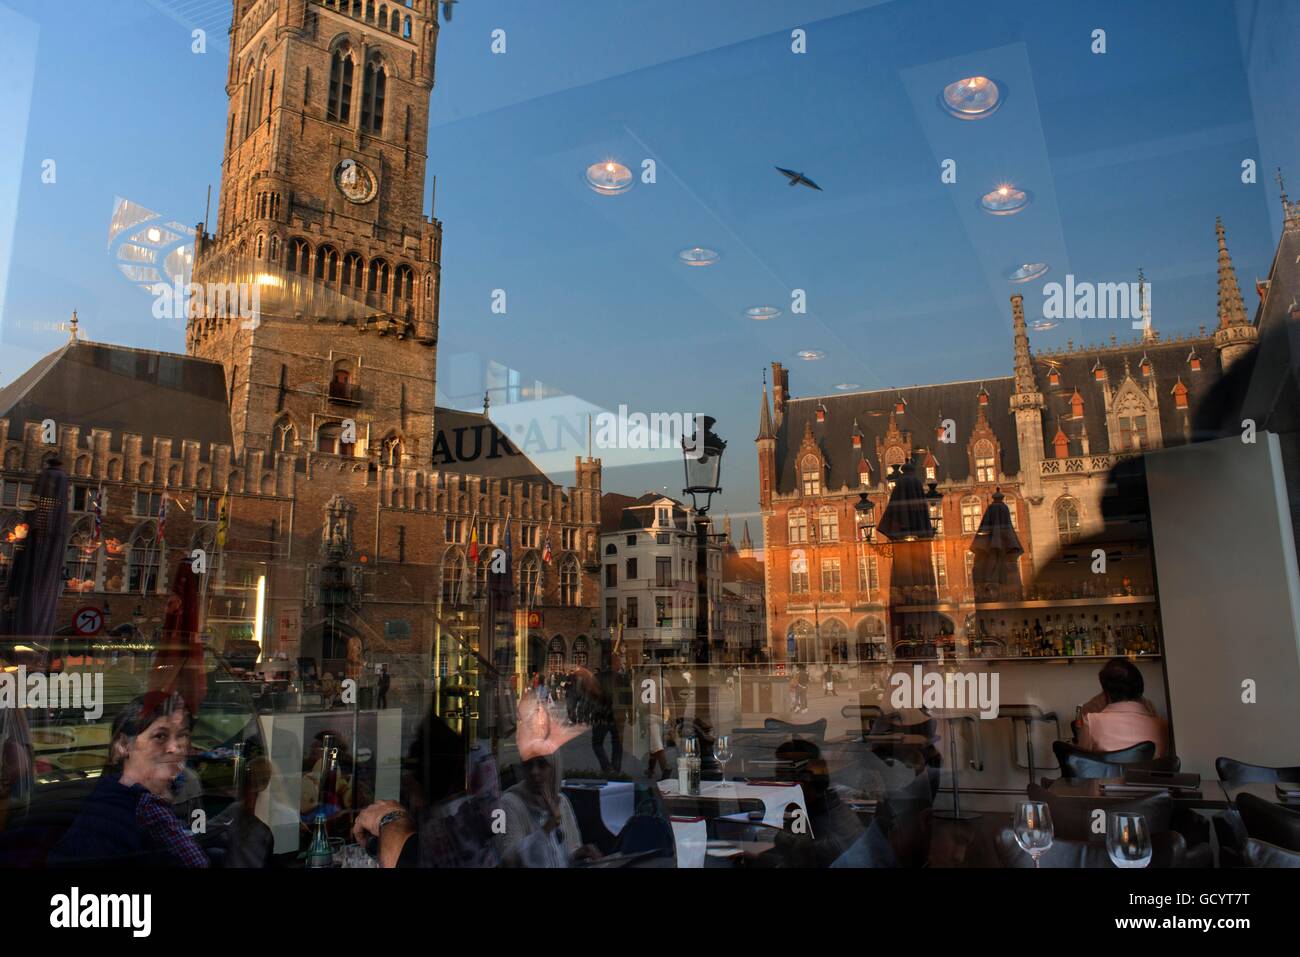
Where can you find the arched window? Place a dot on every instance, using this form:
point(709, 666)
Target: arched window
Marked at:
point(1067, 521)
point(530, 582)
point(353, 270)
point(812, 476)
point(339, 106)
point(259, 91)
point(1010, 501)
point(985, 467)
point(260, 246)
point(327, 264)
point(828, 525)
point(142, 576)
point(274, 254)
point(372, 97)
point(370, 10)
point(378, 281)
point(453, 569)
point(580, 654)
point(391, 451)
point(569, 582)
point(555, 654)
point(797, 525)
point(395, 22)
point(405, 282)
point(406, 27)
point(798, 573)
point(81, 559)
point(285, 436)
point(971, 512)
point(299, 256)
point(341, 380)
point(356, 7)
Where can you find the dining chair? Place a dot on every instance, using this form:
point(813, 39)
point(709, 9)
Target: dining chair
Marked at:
point(1266, 821)
point(1075, 762)
point(1262, 854)
point(1232, 771)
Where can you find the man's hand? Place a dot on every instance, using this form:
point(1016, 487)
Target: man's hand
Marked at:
point(391, 838)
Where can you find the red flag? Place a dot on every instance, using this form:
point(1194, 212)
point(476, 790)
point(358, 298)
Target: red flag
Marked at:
point(178, 662)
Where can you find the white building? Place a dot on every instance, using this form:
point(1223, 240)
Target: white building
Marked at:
point(648, 553)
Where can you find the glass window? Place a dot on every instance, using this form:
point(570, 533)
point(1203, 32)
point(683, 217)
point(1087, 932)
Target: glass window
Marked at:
point(631, 569)
point(985, 468)
point(830, 574)
point(812, 476)
point(828, 523)
point(611, 576)
point(664, 572)
point(1067, 521)
point(797, 523)
point(631, 613)
point(971, 513)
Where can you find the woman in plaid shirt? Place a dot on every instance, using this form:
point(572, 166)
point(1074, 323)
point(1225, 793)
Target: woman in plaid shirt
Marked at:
point(128, 817)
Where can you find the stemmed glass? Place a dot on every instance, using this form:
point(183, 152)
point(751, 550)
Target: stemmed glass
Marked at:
point(722, 751)
point(1033, 828)
point(1128, 839)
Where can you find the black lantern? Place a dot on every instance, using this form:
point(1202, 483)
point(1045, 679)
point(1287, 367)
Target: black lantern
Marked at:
point(864, 514)
point(702, 457)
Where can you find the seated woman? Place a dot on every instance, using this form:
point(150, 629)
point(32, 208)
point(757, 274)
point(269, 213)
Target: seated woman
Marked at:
point(1120, 717)
point(541, 829)
point(128, 818)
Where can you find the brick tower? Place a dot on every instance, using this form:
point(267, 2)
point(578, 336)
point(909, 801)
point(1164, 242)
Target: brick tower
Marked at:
point(321, 214)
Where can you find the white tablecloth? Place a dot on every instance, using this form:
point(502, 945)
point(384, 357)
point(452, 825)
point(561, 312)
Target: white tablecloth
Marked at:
point(617, 802)
point(775, 797)
point(691, 835)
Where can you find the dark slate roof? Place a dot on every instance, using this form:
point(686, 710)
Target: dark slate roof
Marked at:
point(927, 406)
point(735, 568)
point(464, 443)
point(95, 385)
point(1169, 364)
point(1279, 337)
point(623, 512)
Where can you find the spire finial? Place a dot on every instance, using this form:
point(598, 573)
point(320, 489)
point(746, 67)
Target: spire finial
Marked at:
point(487, 402)
point(73, 329)
point(1144, 308)
point(1232, 311)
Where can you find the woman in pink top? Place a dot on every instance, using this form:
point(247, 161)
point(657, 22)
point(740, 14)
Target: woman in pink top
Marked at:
point(1120, 717)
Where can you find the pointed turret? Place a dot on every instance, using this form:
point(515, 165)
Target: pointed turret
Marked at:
point(1144, 309)
point(1290, 210)
point(1027, 405)
point(1025, 382)
point(746, 544)
point(765, 416)
point(1235, 335)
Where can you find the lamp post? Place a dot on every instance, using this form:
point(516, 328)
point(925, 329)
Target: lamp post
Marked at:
point(702, 460)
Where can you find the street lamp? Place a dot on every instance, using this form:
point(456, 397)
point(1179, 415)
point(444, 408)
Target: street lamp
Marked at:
point(702, 461)
point(864, 514)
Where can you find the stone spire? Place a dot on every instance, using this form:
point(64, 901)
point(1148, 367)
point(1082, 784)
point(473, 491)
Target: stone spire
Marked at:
point(1232, 312)
point(765, 416)
point(746, 544)
point(1144, 309)
point(1290, 210)
point(1024, 364)
point(72, 328)
point(1235, 336)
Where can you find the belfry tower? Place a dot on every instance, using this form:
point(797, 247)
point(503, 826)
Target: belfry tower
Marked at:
point(320, 225)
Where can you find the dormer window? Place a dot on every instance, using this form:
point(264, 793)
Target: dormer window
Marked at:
point(1194, 361)
point(1076, 405)
point(1061, 444)
point(662, 517)
point(821, 413)
point(1180, 394)
point(900, 406)
point(1145, 366)
point(812, 476)
point(1098, 372)
point(983, 396)
point(864, 474)
point(1054, 377)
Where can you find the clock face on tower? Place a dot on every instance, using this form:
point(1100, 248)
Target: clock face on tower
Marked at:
point(355, 181)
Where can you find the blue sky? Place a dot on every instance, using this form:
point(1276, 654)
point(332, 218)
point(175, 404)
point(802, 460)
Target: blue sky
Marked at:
point(1129, 156)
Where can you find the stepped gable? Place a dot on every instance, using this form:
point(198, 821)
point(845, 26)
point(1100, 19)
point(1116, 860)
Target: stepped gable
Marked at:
point(926, 407)
point(94, 385)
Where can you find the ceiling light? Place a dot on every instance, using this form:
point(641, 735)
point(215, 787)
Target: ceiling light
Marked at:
point(609, 178)
point(972, 98)
point(1026, 272)
point(698, 256)
point(811, 355)
point(762, 312)
point(1004, 200)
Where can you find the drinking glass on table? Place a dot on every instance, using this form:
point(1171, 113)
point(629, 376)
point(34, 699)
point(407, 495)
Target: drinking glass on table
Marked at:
point(1128, 839)
point(1033, 828)
point(722, 751)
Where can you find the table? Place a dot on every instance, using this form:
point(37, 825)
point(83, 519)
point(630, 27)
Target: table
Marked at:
point(614, 802)
point(1091, 788)
point(1264, 790)
point(774, 796)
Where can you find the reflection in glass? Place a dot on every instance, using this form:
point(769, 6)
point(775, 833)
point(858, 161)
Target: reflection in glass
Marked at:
point(1005, 200)
point(698, 256)
point(972, 98)
point(1027, 272)
point(609, 178)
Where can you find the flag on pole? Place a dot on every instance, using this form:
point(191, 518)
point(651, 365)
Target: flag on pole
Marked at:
point(162, 518)
point(473, 541)
point(223, 521)
point(546, 549)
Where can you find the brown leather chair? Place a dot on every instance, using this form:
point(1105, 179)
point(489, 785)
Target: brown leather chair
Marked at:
point(1228, 827)
point(1167, 850)
point(1266, 821)
point(1232, 771)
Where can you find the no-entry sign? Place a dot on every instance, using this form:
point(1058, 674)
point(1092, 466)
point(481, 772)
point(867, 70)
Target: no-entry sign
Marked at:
point(88, 621)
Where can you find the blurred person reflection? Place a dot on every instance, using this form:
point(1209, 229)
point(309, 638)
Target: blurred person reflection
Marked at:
point(831, 826)
point(541, 829)
point(128, 817)
point(17, 761)
point(899, 834)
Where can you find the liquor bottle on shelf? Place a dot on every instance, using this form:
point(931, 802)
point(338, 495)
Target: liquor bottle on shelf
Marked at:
point(1067, 643)
point(1040, 639)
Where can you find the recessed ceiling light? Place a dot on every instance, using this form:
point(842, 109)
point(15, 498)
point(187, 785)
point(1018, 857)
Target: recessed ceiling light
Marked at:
point(848, 386)
point(811, 355)
point(1004, 200)
point(154, 234)
point(609, 178)
point(1042, 325)
point(762, 312)
point(1027, 272)
point(971, 98)
point(698, 256)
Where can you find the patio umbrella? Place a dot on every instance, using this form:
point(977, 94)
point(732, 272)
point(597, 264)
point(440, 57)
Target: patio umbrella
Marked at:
point(178, 662)
point(906, 523)
point(996, 572)
point(36, 579)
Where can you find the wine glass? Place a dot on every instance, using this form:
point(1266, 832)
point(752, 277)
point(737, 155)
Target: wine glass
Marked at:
point(1128, 839)
point(722, 751)
point(1033, 828)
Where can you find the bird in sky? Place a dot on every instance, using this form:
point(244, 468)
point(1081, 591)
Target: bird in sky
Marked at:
point(797, 179)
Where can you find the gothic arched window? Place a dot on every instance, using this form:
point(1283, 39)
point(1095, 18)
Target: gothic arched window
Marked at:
point(530, 582)
point(378, 277)
point(812, 476)
point(286, 436)
point(339, 106)
point(353, 269)
point(569, 582)
point(299, 256)
point(985, 466)
point(971, 512)
point(405, 282)
point(143, 565)
point(372, 97)
point(81, 559)
point(327, 264)
point(391, 451)
point(1067, 521)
